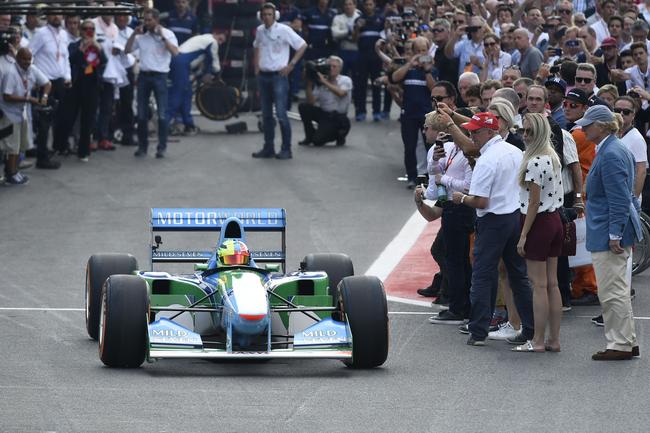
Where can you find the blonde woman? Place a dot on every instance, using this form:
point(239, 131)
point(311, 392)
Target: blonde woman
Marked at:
point(540, 242)
point(608, 93)
point(505, 112)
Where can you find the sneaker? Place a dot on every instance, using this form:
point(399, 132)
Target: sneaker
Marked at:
point(140, 153)
point(284, 154)
point(361, 117)
point(410, 184)
point(566, 306)
point(376, 117)
point(385, 115)
point(160, 154)
point(446, 318)
point(598, 320)
point(24, 165)
point(504, 332)
point(16, 179)
point(190, 131)
point(498, 320)
point(517, 339)
point(472, 342)
point(632, 292)
point(106, 145)
point(83, 159)
point(264, 154)
point(464, 328)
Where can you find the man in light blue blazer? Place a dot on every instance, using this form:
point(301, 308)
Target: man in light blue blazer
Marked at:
point(612, 226)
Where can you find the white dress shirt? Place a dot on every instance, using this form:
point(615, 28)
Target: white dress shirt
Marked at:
point(570, 152)
point(457, 171)
point(540, 171)
point(495, 71)
point(495, 177)
point(50, 52)
point(123, 36)
point(154, 55)
point(274, 44)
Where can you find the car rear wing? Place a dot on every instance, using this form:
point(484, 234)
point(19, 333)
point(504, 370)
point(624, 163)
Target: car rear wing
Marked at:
point(212, 220)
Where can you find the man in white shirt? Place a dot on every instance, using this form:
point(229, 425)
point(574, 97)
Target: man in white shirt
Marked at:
point(327, 105)
point(106, 35)
point(494, 193)
point(49, 48)
point(17, 85)
point(272, 66)
point(157, 45)
point(125, 117)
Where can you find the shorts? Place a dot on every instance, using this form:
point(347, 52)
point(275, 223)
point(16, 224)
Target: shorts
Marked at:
point(545, 237)
point(17, 142)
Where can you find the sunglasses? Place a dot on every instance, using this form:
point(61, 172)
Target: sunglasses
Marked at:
point(584, 80)
point(623, 111)
point(580, 22)
point(568, 104)
point(565, 11)
point(438, 98)
point(88, 28)
point(521, 95)
point(515, 67)
point(489, 44)
point(458, 22)
point(438, 30)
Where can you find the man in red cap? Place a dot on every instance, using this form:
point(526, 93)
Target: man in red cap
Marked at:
point(611, 69)
point(494, 193)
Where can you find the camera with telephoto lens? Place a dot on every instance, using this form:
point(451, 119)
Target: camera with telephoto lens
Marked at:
point(6, 37)
point(313, 67)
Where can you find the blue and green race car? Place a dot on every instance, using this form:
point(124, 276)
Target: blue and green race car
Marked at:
point(237, 303)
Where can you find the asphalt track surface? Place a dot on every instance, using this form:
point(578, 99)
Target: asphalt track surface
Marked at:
point(337, 199)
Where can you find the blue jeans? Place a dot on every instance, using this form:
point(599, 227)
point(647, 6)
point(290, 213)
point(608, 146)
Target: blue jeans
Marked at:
point(497, 237)
point(157, 83)
point(273, 89)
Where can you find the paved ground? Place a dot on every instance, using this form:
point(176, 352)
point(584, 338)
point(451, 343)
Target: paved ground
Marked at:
point(337, 199)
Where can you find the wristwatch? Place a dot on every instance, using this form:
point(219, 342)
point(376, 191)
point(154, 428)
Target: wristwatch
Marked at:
point(462, 199)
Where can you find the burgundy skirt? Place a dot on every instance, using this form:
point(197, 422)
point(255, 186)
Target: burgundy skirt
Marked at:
point(545, 237)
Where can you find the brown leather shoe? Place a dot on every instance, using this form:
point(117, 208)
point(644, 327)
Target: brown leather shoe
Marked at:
point(635, 351)
point(611, 355)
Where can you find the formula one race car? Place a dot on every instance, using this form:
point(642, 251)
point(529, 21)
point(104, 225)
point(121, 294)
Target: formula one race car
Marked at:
point(237, 304)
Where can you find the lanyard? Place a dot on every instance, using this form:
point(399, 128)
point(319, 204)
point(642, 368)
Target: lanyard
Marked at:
point(56, 40)
point(451, 158)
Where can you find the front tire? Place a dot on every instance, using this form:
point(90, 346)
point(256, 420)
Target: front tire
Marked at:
point(124, 318)
point(336, 265)
point(98, 269)
point(362, 301)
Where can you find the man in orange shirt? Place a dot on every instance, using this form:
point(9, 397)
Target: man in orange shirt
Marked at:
point(583, 289)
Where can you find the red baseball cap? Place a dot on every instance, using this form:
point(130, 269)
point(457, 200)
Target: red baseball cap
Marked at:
point(482, 120)
point(609, 42)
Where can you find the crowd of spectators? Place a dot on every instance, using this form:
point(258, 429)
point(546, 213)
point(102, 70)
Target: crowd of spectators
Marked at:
point(67, 84)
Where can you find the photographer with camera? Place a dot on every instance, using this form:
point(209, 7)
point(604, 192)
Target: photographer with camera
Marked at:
point(417, 83)
point(468, 50)
point(327, 104)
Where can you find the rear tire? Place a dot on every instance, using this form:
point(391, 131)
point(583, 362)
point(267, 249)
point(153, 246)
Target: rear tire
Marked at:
point(98, 269)
point(336, 265)
point(124, 318)
point(363, 302)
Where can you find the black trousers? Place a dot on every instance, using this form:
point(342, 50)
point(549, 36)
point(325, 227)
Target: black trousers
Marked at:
point(331, 125)
point(125, 117)
point(58, 102)
point(85, 93)
point(457, 223)
point(563, 270)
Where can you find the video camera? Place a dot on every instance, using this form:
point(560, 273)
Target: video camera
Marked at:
point(6, 37)
point(312, 67)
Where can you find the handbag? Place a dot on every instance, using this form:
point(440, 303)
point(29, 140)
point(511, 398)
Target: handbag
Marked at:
point(570, 239)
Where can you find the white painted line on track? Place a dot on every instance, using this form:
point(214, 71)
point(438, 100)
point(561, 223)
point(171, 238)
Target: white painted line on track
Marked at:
point(636, 318)
point(38, 309)
point(409, 301)
point(397, 248)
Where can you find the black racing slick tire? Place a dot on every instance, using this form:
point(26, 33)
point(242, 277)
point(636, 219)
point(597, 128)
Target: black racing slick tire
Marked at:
point(363, 302)
point(336, 265)
point(98, 269)
point(123, 321)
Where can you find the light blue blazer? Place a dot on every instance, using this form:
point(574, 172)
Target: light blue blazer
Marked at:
point(612, 207)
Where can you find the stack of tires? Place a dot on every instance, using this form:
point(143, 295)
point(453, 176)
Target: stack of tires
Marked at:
point(237, 19)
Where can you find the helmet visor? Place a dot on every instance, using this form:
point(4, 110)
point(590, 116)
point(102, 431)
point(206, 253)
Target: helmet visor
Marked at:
point(235, 259)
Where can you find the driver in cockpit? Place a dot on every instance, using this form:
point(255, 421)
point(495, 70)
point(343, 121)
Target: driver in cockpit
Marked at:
point(233, 252)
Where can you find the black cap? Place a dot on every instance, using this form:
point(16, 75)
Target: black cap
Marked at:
point(577, 95)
